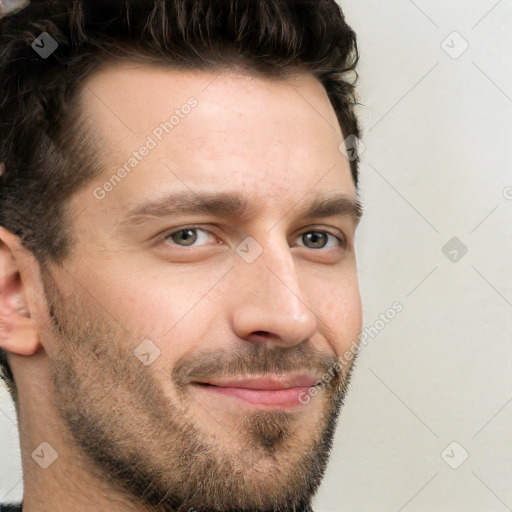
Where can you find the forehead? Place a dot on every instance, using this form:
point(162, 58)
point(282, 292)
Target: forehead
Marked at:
point(274, 137)
point(147, 87)
point(127, 100)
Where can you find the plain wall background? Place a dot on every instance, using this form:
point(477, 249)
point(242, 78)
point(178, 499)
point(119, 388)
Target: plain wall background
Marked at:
point(436, 166)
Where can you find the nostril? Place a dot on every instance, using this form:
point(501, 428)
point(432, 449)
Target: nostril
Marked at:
point(263, 336)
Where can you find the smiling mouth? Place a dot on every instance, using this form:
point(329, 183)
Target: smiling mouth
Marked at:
point(267, 391)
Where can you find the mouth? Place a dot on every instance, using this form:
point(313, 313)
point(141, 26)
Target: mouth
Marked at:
point(270, 391)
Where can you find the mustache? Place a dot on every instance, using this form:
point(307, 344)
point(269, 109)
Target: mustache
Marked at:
point(252, 360)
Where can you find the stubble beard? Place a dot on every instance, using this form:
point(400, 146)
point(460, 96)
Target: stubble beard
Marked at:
point(152, 449)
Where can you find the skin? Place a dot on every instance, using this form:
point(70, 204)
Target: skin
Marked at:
point(294, 308)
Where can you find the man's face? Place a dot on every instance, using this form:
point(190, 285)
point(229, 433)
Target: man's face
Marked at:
point(184, 341)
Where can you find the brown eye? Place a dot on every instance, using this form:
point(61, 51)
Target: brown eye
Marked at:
point(320, 239)
point(184, 237)
point(317, 239)
point(187, 237)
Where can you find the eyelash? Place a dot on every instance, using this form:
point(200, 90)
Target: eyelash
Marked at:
point(164, 239)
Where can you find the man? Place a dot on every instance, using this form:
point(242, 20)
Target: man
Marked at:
point(179, 294)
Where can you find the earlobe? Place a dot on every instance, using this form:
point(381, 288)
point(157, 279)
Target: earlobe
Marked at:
point(18, 337)
point(18, 332)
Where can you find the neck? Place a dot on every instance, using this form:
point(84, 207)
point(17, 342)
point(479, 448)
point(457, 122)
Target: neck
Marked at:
point(56, 475)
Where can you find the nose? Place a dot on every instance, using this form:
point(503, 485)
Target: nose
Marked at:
point(269, 306)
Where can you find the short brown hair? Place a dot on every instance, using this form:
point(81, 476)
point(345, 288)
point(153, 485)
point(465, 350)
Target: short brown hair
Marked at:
point(47, 156)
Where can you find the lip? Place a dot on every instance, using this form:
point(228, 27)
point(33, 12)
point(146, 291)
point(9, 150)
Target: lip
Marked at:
point(267, 391)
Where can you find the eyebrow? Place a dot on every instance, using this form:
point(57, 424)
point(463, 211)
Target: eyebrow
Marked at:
point(232, 205)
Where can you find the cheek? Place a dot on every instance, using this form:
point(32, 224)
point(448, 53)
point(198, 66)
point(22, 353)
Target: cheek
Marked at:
point(175, 310)
point(167, 308)
point(340, 307)
point(145, 297)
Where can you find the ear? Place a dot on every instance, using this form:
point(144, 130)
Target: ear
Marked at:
point(18, 330)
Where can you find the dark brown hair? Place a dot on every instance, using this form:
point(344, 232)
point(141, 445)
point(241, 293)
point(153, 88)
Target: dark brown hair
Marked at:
point(48, 155)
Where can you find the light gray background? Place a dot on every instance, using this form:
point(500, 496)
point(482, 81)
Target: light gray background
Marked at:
point(436, 166)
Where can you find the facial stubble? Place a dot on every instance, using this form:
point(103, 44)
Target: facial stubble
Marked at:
point(151, 448)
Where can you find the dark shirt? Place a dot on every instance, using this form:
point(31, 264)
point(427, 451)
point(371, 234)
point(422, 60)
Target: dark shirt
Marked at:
point(17, 508)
